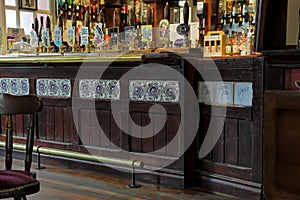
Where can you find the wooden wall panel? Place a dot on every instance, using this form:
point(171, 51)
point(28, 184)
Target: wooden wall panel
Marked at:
point(68, 127)
point(94, 132)
point(42, 134)
point(115, 131)
point(104, 119)
point(245, 143)
point(231, 141)
point(159, 138)
point(219, 150)
point(136, 142)
point(59, 121)
point(172, 129)
point(84, 127)
point(147, 142)
point(50, 122)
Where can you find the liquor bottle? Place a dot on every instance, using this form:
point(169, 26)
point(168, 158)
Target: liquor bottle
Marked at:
point(167, 12)
point(249, 43)
point(94, 13)
point(228, 49)
point(235, 45)
point(41, 28)
point(186, 12)
point(70, 8)
point(107, 39)
point(124, 13)
point(86, 17)
point(48, 26)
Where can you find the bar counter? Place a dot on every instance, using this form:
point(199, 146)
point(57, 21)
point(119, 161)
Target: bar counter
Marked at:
point(233, 166)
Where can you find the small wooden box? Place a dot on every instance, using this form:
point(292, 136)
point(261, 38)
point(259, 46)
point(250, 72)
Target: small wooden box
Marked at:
point(214, 44)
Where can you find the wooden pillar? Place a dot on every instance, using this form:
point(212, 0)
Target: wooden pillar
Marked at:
point(3, 27)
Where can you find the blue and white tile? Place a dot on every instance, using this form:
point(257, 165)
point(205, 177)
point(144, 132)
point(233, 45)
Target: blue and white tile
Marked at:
point(42, 87)
point(98, 89)
point(14, 86)
point(4, 85)
point(85, 88)
point(137, 90)
point(65, 88)
point(243, 93)
point(223, 93)
point(206, 92)
point(60, 88)
point(53, 88)
point(153, 91)
point(24, 86)
point(113, 89)
point(170, 91)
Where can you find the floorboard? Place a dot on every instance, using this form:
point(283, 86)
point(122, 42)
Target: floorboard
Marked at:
point(68, 184)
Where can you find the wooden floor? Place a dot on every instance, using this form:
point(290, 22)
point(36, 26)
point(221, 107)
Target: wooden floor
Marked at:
point(66, 184)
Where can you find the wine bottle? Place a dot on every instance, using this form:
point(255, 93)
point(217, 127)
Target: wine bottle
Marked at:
point(41, 28)
point(124, 13)
point(186, 13)
point(167, 12)
point(69, 9)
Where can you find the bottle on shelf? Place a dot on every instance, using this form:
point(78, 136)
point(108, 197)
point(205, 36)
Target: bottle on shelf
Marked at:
point(107, 39)
point(235, 45)
point(124, 13)
point(228, 49)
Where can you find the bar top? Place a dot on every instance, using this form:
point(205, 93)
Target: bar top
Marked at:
point(71, 58)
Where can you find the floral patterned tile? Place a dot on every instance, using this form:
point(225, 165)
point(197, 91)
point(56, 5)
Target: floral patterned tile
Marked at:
point(14, 86)
point(60, 88)
point(99, 89)
point(152, 90)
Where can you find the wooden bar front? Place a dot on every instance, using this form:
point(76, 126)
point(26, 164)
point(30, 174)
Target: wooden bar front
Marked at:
point(233, 167)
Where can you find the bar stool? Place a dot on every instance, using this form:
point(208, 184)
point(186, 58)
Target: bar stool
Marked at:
point(18, 183)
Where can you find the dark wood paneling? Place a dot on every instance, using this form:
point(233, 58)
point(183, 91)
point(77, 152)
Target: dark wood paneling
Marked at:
point(231, 141)
point(245, 143)
point(94, 132)
point(104, 119)
point(136, 142)
point(59, 123)
point(84, 127)
point(281, 145)
point(68, 127)
point(147, 142)
point(218, 153)
point(50, 122)
point(159, 138)
point(115, 131)
point(42, 134)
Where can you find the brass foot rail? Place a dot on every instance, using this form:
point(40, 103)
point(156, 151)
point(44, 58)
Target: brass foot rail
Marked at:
point(82, 156)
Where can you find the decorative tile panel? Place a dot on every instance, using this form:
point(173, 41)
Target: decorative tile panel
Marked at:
point(60, 88)
point(14, 86)
point(99, 89)
point(223, 92)
point(243, 94)
point(206, 92)
point(152, 90)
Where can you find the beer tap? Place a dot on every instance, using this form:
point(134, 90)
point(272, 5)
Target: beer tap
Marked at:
point(202, 13)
